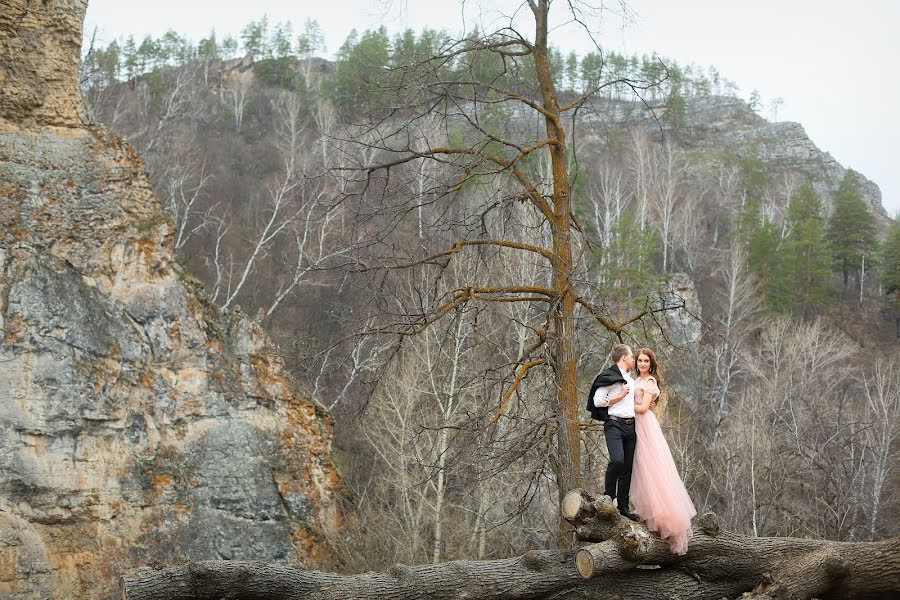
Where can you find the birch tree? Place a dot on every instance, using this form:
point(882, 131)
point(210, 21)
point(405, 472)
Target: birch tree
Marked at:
point(667, 195)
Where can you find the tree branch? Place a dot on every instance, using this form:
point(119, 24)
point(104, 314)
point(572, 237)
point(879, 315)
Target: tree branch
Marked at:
point(504, 401)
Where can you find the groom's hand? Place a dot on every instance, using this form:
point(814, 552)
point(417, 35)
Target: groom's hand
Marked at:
point(624, 392)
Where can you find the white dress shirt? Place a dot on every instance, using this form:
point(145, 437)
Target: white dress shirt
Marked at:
point(624, 408)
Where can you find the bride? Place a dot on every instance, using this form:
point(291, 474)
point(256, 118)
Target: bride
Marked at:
point(657, 493)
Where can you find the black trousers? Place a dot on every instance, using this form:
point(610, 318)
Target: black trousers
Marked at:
point(620, 442)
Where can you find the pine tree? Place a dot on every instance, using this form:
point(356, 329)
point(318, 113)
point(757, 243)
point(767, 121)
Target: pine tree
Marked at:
point(851, 229)
point(172, 47)
point(890, 259)
point(766, 260)
point(626, 265)
point(807, 251)
point(229, 47)
point(572, 71)
point(208, 47)
point(254, 36)
point(148, 54)
point(281, 40)
point(591, 70)
point(129, 53)
point(890, 274)
point(359, 69)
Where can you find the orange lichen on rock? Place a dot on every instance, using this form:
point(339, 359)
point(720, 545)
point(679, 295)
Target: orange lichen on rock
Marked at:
point(14, 329)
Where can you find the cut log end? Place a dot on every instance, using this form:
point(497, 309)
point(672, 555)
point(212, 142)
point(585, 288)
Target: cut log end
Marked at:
point(573, 503)
point(585, 564)
point(709, 524)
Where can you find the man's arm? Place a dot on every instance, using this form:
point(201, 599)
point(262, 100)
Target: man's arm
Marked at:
point(610, 394)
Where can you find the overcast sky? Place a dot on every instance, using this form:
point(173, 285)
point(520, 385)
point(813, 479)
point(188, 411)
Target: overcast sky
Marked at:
point(833, 63)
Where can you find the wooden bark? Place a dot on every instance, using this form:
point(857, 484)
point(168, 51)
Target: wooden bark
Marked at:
point(568, 402)
point(627, 562)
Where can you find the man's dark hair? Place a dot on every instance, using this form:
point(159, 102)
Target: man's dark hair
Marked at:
point(618, 351)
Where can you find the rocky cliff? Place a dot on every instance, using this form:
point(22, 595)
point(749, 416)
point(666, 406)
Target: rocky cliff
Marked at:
point(137, 423)
point(727, 126)
point(783, 146)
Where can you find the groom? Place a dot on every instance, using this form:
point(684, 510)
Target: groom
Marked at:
point(614, 388)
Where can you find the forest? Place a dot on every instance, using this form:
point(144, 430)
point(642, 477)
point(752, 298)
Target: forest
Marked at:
point(446, 260)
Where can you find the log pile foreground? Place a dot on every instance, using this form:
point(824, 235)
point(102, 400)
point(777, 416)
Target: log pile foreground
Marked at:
point(611, 558)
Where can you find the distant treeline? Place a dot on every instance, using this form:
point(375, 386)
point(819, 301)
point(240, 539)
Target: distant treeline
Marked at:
point(658, 77)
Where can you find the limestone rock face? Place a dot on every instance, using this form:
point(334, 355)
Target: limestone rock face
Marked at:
point(39, 44)
point(684, 324)
point(137, 422)
point(784, 146)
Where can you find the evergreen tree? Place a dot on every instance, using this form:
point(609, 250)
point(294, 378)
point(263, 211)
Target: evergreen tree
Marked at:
point(755, 101)
point(207, 47)
point(676, 107)
point(148, 54)
point(557, 65)
point(281, 40)
point(591, 70)
point(626, 266)
point(105, 64)
point(312, 41)
point(255, 38)
point(360, 63)
point(429, 42)
point(806, 251)
point(173, 48)
point(404, 49)
point(572, 71)
point(890, 275)
point(766, 260)
point(754, 177)
point(229, 46)
point(851, 230)
point(890, 259)
point(130, 58)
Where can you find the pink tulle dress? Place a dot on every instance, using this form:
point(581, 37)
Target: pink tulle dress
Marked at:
point(657, 492)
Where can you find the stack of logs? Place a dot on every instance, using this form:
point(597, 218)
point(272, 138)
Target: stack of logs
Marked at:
point(612, 557)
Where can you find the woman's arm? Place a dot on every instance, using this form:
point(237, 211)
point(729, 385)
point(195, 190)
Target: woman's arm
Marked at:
point(648, 395)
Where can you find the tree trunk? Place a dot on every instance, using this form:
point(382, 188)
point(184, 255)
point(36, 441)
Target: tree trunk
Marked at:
point(625, 561)
point(568, 435)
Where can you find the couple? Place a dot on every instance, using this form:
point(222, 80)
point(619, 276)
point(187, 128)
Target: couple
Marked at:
point(640, 468)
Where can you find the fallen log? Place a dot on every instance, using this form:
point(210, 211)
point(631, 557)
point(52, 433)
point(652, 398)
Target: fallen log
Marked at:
point(782, 567)
point(613, 558)
point(532, 576)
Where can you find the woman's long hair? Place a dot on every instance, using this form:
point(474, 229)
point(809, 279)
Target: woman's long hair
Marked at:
point(654, 365)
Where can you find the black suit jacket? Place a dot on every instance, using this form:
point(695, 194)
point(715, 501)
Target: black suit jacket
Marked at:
point(607, 377)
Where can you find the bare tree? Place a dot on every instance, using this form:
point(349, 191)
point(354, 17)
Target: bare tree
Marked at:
point(642, 174)
point(667, 194)
point(238, 86)
point(690, 232)
point(736, 322)
point(175, 106)
point(882, 391)
point(281, 212)
point(185, 199)
point(608, 199)
point(534, 171)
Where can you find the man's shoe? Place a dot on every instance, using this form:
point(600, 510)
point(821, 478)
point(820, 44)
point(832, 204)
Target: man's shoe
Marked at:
point(628, 515)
